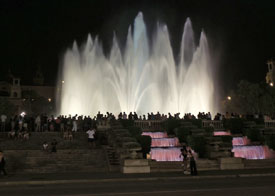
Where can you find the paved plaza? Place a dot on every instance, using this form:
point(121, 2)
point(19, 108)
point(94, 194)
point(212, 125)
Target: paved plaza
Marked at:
point(234, 182)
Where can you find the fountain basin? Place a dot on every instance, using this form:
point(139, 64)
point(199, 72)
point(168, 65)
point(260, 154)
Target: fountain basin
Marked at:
point(166, 154)
point(156, 134)
point(165, 142)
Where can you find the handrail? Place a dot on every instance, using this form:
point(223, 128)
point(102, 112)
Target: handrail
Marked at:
point(269, 123)
point(149, 124)
point(216, 124)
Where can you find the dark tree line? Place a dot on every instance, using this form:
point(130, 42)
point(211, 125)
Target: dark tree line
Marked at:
point(251, 98)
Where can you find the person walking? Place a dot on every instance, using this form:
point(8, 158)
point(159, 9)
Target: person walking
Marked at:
point(74, 124)
point(193, 166)
point(184, 154)
point(3, 122)
point(2, 163)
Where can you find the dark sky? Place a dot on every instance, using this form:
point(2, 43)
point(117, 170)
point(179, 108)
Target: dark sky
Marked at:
point(36, 33)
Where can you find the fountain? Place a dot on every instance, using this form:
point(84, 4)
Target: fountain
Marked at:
point(164, 148)
point(140, 78)
point(243, 148)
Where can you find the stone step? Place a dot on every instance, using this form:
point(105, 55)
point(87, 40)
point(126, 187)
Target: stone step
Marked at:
point(202, 165)
point(264, 163)
point(154, 170)
point(219, 154)
point(268, 131)
point(249, 124)
point(113, 159)
point(62, 170)
point(66, 160)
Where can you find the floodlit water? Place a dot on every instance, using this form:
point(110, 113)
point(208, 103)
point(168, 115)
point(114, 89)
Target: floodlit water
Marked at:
point(164, 148)
point(242, 148)
point(140, 78)
point(166, 154)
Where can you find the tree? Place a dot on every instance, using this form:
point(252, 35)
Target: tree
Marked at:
point(250, 98)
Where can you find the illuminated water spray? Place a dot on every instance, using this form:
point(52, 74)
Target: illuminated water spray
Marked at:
point(142, 78)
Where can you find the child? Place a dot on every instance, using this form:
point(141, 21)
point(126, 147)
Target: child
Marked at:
point(45, 146)
point(70, 135)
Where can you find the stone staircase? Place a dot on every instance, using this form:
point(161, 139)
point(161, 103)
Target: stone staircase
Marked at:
point(168, 166)
point(72, 156)
point(37, 138)
point(264, 163)
point(37, 161)
point(112, 158)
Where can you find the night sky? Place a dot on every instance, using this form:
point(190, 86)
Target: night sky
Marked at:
point(241, 34)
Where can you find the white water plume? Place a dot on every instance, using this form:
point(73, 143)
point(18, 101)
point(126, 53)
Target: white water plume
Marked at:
point(138, 79)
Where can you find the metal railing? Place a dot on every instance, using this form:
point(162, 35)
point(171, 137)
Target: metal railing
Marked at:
point(269, 123)
point(149, 124)
point(216, 124)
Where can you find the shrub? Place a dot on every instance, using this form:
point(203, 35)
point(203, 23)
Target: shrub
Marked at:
point(259, 121)
point(209, 130)
point(182, 133)
point(198, 144)
point(196, 122)
point(126, 123)
point(145, 142)
point(235, 125)
point(134, 131)
point(226, 139)
point(170, 125)
point(253, 134)
point(270, 141)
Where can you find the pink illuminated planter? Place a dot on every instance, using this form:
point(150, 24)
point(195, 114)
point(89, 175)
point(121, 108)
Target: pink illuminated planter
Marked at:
point(156, 134)
point(253, 152)
point(221, 133)
point(163, 147)
point(243, 149)
point(166, 154)
point(165, 142)
point(240, 141)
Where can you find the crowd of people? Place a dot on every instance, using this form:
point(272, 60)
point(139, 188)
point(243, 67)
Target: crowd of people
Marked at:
point(42, 123)
point(24, 124)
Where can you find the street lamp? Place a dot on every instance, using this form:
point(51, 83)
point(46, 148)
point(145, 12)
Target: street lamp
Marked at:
point(271, 84)
point(229, 98)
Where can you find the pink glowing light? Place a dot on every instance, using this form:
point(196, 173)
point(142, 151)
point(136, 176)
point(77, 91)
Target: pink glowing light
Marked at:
point(165, 142)
point(240, 141)
point(221, 133)
point(253, 152)
point(156, 134)
point(166, 154)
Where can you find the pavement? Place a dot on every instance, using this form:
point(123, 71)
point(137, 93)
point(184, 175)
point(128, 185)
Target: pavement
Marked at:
point(74, 178)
